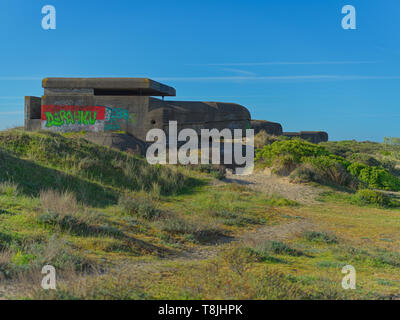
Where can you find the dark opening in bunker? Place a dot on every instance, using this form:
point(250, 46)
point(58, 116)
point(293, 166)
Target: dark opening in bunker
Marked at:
point(122, 92)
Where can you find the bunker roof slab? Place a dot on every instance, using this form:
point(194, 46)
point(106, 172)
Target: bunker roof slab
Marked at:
point(112, 86)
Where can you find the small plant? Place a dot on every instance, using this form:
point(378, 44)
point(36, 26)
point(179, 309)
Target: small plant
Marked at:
point(141, 206)
point(234, 218)
point(277, 201)
point(239, 258)
point(61, 202)
point(216, 171)
point(196, 230)
point(9, 188)
point(277, 247)
point(316, 236)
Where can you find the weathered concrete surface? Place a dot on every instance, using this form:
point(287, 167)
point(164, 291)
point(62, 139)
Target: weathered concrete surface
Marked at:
point(291, 134)
point(199, 115)
point(272, 128)
point(312, 136)
point(123, 142)
point(113, 109)
point(109, 86)
point(124, 105)
point(32, 112)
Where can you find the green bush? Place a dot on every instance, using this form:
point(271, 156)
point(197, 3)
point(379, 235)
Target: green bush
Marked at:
point(283, 165)
point(374, 177)
point(297, 149)
point(305, 173)
point(305, 162)
point(365, 159)
point(331, 169)
point(371, 197)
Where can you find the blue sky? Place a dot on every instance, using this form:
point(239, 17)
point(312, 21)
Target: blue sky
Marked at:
point(287, 61)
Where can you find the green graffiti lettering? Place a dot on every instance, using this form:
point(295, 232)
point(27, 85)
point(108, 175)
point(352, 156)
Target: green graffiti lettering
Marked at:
point(70, 117)
point(92, 118)
point(49, 118)
point(85, 118)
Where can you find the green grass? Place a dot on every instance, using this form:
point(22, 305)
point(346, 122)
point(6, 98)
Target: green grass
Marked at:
point(118, 228)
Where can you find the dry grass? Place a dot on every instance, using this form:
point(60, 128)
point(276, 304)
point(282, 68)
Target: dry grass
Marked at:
point(9, 188)
point(118, 284)
point(262, 139)
point(64, 203)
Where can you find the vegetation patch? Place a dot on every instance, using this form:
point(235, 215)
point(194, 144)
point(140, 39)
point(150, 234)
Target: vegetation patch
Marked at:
point(372, 197)
point(140, 205)
point(277, 247)
point(306, 162)
point(324, 237)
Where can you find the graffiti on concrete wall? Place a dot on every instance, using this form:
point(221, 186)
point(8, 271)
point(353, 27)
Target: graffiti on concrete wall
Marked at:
point(114, 117)
point(85, 118)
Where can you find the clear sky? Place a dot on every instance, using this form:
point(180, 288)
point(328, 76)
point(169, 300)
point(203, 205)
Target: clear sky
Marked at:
point(287, 61)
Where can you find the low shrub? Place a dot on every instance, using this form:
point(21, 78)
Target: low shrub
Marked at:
point(83, 224)
point(216, 171)
point(305, 173)
point(193, 230)
point(31, 257)
point(277, 247)
point(371, 197)
point(316, 236)
point(365, 159)
point(283, 165)
point(230, 218)
point(239, 258)
point(374, 177)
point(277, 201)
point(140, 205)
point(332, 170)
point(296, 149)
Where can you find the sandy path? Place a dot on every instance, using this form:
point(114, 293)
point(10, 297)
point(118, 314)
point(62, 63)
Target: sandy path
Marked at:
point(273, 185)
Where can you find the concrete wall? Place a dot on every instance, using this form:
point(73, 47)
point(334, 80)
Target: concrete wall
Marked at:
point(103, 106)
point(272, 128)
point(312, 136)
point(32, 113)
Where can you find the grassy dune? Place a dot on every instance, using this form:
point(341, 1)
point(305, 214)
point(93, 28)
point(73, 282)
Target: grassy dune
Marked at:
point(117, 228)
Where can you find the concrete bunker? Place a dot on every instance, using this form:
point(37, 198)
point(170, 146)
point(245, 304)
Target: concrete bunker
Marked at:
point(109, 107)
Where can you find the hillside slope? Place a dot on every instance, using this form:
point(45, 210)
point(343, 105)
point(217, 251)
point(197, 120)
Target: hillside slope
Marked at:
point(115, 227)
